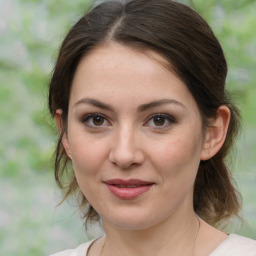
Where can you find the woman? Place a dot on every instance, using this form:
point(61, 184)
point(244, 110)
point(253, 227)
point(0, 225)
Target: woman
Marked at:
point(138, 92)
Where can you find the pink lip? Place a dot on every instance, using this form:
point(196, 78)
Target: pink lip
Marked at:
point(128, 189)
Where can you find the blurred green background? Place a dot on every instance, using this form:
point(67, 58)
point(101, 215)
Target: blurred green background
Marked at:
point(30, 34)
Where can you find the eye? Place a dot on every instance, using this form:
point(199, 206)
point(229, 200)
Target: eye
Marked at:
point(160, 121)
point(95, 120)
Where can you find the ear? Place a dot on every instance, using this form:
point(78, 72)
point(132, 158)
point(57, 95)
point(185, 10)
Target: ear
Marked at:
point(216, 132)
point(64, 140)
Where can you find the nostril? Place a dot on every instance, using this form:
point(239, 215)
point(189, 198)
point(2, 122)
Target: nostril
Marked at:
point(126, 160)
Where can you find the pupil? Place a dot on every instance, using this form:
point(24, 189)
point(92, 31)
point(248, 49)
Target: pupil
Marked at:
point(98, 120)
point(159, 120)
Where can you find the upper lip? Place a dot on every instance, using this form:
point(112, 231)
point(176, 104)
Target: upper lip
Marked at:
point(129, 182)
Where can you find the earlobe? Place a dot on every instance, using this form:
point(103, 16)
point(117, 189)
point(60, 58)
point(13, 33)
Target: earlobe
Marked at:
point(59, 121)
point(216, 133)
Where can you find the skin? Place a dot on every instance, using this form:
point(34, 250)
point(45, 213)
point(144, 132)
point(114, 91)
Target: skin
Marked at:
point(129, 140)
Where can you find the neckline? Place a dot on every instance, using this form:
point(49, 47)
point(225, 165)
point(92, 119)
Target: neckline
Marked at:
point(220, 246)
point(91, 243)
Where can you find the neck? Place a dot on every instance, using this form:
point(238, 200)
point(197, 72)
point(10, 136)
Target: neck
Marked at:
point(177, 235)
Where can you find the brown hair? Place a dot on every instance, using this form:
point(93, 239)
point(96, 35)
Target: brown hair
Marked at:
point(185, 40)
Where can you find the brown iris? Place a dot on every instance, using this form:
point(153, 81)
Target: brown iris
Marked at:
point(159, 120)
point(98, 120)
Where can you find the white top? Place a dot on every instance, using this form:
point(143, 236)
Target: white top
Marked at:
point(234, 245)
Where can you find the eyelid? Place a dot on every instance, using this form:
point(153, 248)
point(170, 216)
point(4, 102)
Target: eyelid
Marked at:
point(169, 118)
point(85, 118)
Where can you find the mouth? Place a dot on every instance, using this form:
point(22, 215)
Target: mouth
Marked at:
point(128, 189)
point(127, 186)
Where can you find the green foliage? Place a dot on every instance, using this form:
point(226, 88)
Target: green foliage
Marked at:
point(31, 32)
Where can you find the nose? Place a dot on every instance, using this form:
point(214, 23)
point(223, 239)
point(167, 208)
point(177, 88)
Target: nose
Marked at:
point(126, 151)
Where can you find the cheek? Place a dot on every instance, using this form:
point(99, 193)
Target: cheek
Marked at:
point(177, 164)
point(88, 154)
point(88, 159)
point(178, 151)
point(178, 157)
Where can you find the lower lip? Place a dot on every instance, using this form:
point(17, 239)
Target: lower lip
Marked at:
point(128, 193)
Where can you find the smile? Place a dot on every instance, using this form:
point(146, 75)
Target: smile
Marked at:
point(127, 186)
point(128, 189)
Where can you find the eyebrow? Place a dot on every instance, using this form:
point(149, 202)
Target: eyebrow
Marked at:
point(95, 103)
point(158, 103)
point(141, 108)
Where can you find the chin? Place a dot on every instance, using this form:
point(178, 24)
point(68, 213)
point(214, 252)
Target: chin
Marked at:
point(132, 221)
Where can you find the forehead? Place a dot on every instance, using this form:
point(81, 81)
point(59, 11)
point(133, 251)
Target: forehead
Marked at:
point(114, 58)
point(118, 71)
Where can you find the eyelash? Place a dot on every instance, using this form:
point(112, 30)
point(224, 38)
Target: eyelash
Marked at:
point(166, 118)
point(87, 118)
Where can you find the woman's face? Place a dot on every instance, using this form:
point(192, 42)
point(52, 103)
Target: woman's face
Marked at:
point(135, 134)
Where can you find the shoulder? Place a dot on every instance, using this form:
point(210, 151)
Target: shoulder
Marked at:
point(81, 250)
point(236, 245)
